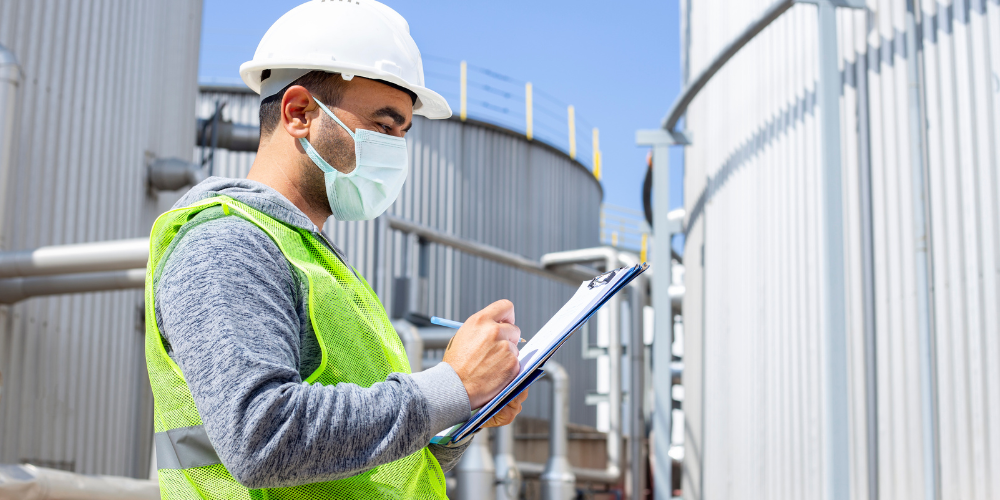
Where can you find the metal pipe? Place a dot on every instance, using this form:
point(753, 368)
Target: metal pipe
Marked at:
point(16, 289)
point(10, 83)
point(476, 471)
point(27, 482)
point(691, 90)
point(636, 354)
point(571, 275)
point(508, 474)
point(558, 480)
point(611, 260)
point(412, 343)
point(84, 257)
point(229, 135)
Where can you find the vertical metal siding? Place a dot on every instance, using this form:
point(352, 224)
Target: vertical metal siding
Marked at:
point(484, 184)
point(752, 379)
point(110, 84)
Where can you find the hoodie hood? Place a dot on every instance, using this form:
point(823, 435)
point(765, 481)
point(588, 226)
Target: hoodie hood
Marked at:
point(252, 193)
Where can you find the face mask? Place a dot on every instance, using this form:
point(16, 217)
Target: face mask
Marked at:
point(377, 178)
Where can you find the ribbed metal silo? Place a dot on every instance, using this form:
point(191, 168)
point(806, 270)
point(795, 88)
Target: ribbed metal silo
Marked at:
point(482, 183)
point(106, 87)
point(920, 119)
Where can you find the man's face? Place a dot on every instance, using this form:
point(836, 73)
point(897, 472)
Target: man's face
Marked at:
point(365, 104)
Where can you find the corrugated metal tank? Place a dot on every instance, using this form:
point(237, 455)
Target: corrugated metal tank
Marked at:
point(485, 184)
point(106, 86)
point(753, 374)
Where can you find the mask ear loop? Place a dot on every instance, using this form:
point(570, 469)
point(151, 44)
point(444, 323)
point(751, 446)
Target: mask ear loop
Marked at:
point(311, 151)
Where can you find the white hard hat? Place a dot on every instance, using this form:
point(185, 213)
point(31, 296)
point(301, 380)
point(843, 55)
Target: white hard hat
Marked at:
point(352, 37)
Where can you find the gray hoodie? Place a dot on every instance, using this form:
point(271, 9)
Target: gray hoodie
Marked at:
point(233, 312)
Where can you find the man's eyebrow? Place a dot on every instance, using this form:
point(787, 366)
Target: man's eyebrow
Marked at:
point(396, 116)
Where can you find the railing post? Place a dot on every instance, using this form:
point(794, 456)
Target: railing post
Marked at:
point(529, 112)
point(464, 83)
point(572, 131)
point(597, 154)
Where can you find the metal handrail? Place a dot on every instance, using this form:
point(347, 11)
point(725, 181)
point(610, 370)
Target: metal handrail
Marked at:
point(691, 91)
point(570, 275)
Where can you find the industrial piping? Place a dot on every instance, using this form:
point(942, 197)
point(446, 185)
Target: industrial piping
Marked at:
point(84, 257)
point(10, 82)
point(611, 260)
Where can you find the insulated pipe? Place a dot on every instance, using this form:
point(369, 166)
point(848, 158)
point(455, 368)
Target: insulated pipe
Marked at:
point(10, 82)
point(16, 289)
point(476, 472)
point(611, 260)
point(508, 475)
point(229, 135)
point(85, 257)
point(558, 480)
point(636, 353)
point(412, 343)
point(27, 482)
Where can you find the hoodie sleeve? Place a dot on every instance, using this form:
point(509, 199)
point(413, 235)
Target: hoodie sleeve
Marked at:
point(226, 301)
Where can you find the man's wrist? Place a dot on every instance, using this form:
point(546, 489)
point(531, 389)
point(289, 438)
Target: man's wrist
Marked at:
point(447, 399)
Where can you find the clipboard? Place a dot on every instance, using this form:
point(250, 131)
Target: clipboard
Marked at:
point(588, 299)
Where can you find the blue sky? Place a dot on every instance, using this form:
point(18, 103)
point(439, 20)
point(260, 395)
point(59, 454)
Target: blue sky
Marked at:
point(617, 63)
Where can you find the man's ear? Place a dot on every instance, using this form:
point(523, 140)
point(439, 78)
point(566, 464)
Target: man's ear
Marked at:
point(297, 111)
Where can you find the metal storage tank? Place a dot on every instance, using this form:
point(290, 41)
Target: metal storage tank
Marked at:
point(105, 87)
point(482, 183)
point(923, 378)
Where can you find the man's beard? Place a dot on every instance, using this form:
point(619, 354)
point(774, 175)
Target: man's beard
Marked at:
point(336, 147)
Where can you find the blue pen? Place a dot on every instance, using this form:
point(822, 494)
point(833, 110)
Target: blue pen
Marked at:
point(447, 323)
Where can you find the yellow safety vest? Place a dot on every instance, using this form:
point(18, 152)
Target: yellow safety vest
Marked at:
point(358, 345)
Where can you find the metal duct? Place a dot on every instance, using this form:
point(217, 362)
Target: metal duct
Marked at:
point(229, 135)
point(85, 257)
point(10, 80)
point(17, 289)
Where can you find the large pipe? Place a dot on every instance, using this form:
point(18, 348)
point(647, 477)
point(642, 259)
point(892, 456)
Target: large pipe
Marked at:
point(16, 289)
point(636, 353)
point(85, 257)
point(476, 472)
point(558, 480)
point(611, 260)
point(508, 475)
point(10, 82)
point(27, 482)
point(229, 135)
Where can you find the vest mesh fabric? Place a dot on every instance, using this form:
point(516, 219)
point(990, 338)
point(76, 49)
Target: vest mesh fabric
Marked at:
point(357, 342)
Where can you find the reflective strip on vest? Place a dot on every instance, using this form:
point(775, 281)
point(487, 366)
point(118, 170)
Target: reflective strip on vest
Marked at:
point(184, 448)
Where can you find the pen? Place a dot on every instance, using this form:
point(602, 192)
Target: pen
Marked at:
point(447, 323)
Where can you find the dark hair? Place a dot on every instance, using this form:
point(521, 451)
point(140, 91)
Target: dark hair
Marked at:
point(327, 87)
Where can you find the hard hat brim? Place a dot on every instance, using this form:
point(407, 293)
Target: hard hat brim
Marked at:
point(429, 104)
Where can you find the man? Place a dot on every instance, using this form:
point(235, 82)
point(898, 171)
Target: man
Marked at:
point(275, 371)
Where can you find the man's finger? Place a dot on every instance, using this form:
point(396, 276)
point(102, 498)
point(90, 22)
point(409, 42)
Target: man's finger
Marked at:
point(501, 311)
point(510, 333)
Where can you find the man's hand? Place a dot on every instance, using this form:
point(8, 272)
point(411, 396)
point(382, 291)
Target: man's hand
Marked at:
point(507, 414)
point(484, 352)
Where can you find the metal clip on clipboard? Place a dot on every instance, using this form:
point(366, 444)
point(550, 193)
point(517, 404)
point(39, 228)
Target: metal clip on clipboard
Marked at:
point(603, 279)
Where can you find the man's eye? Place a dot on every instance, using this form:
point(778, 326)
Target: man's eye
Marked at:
point(386, 128)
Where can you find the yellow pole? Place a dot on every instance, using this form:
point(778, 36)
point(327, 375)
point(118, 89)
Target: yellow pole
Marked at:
point(597, 155)
point(645, 247)
point(572, 133)
point(530, 133)
point(464, 78)
point(614, 238)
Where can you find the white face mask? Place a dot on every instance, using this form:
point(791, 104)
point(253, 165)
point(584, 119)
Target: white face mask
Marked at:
point(381, 167)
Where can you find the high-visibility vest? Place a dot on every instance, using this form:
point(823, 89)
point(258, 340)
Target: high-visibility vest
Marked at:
point(358, 345)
